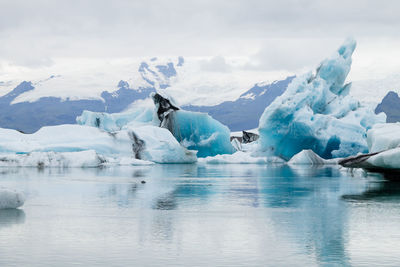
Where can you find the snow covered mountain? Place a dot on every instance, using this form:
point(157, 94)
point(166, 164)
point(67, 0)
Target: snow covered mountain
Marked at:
point(23, 111)
point(244, 113)
point(390, 105)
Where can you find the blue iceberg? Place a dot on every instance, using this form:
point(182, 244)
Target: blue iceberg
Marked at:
point(193, 130)
point(317, 113)
point(198, 131)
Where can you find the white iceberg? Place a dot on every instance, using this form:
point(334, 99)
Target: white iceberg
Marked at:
point(316, 113)
point(240, 157)
point(83, 159)
point(160, 146)
point(383, 136)
point(389, 159)
point(384, 149)
point(50, 146)
point(306, 157)
point(11, 199)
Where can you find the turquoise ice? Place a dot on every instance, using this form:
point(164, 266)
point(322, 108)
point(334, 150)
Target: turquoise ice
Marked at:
point(317, 113)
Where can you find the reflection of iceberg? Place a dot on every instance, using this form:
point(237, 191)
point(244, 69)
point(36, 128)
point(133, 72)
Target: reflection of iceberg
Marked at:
point(9, 217)
point(384, 191)
point(310, 210)
point(316, 112)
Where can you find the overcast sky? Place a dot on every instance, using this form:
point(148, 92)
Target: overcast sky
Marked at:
point(273, 35)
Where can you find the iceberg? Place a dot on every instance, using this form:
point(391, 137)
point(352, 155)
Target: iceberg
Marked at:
point(50, 146)
point(194, 130)
point(389, 159)
point(11, 199)
point(383, 136)
point(82, 159)
point(198, 131)
point(240, 157)
point(306, 157)
point(384, 150)
point(160, 146)
point(317, 113)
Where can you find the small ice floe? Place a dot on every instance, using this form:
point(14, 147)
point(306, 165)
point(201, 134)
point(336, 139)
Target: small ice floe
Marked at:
point(11, 199)
point(240, 157)
point(308, 157)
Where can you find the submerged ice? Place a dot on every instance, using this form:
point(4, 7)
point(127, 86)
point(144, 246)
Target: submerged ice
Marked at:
point(317, 113)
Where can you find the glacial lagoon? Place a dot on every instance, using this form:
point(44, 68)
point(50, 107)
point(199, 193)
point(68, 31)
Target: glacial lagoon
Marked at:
point(200, 215)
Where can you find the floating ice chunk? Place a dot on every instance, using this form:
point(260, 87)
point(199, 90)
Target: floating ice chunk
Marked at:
point(82, 159)
point(148, 142)
point(383, 136)
point(306, 157)
point(316, 113)
point(240, 157)
point(389, 159)
point(198, 131)
point(10, 199)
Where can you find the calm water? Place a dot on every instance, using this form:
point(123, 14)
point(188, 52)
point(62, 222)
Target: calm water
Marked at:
point(189, 215)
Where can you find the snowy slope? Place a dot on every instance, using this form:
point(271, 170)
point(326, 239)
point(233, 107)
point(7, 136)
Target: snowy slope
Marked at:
point(32, 105)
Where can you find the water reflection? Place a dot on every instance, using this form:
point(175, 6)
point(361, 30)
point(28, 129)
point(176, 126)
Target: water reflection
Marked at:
point(182, 206)
point(377, 191)
point(9, 217)
point(166, 202)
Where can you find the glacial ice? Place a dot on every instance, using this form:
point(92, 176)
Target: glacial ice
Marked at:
point(138, 116)
point(389, 159)
point(161, 147)
point(83, 159)
point(383, 137)
point(193, 130)
point(11, 199)
point(316, 113)
point(151, 143)
point(198, 131)
point(384, 149)
point(308, 157)
point(240, 157)
point(386, 138)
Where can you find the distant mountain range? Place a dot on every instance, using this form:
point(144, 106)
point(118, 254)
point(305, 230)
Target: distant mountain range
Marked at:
point(245, 112)
point(390, 105)
point(28, 117)
point(240, 114)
